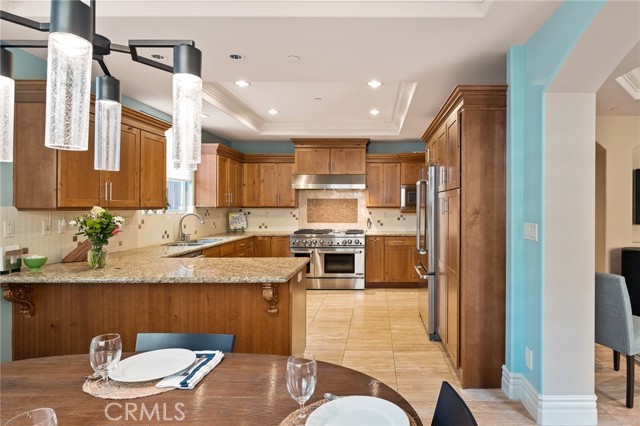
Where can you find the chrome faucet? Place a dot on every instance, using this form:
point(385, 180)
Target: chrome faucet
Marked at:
point(181, 235)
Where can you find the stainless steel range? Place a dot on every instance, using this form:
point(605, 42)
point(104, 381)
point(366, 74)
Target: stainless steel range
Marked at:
point(336, 257)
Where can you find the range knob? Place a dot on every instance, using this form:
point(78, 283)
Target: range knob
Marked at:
point(321, 242)
point(344, 242)
point(329, 242)
point(349, 242)
point(314, 242)
point(296, 243)
point(357, 242)
point(306, 243)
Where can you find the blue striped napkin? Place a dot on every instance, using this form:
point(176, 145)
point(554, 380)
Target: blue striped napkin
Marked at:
point(206, 361)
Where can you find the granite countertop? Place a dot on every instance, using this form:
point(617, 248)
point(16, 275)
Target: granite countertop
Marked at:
point(370, 233)
point(160, 264)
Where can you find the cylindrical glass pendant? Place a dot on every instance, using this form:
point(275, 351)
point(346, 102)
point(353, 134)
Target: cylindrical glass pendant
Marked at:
point(187, 118)
point(7, 105)
point(108, 113)
point(68, 92)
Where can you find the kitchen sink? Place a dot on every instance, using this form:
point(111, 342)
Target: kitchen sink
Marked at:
point(209, 240)
point(185, 244)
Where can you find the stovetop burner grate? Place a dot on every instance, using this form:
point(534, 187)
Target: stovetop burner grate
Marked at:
point(354, 231)
point(312, 231)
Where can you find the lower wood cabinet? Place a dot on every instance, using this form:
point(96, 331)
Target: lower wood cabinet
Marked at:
point(239, 248)
point(266, 246)
point(391, 260)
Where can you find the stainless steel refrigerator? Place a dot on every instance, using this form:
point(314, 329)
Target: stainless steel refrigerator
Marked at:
point(427, 245)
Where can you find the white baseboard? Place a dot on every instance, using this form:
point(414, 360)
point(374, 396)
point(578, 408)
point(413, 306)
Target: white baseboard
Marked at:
point(569, 410)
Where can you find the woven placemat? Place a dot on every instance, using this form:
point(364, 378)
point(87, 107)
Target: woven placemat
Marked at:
point(119, 390)
point(293, 420)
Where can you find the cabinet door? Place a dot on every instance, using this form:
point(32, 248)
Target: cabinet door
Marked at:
point(452, 178)
point(348, 161)
point(263, 246)
point(33, 187)
point(410, 173)
point(398, 259)
point(313, 161)
point(375, 185)
point(374, 259)
point(452, 208)
point(286, 194)
point(391, 190)
point(443, 226)
point(222, 181)
point(235, 183)
point(269, 184)
point(211, 252)
point(78, 182)
point(280, 247)
point(124, 186)
point(206, 192)
point(250, 185)
point(441, 156)
point(153, 171)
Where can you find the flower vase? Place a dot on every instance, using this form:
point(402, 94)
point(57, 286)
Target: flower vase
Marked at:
point(97, 256)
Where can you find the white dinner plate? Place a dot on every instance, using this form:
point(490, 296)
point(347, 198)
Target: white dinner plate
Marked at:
point(153, 365)
point(358, 411)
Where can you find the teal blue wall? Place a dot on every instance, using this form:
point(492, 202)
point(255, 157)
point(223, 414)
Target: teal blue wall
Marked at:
point(286, 147)
point(530, 70)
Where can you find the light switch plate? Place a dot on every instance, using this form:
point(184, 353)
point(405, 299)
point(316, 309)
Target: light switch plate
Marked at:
point(528, 358)
point(46, 228)
point(8, 229)
point(530, 231)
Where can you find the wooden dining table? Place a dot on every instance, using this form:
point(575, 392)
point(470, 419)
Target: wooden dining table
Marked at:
point(244, 389)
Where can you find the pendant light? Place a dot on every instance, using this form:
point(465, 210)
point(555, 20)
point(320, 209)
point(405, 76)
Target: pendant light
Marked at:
point(187, 106)
point(7, 96)
point(108, 113)
point(70, 53)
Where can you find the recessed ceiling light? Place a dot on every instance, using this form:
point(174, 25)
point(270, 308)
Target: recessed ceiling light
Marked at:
point(242, 83)
point(236, 56)
point(317, 99)
point(374, 83)
point(158, 57)
point(293, 58)
point(614, 108)
point(205, 115)
point(273, 111)
point(374, 111)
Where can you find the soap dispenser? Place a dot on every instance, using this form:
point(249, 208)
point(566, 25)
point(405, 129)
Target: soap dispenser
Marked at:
point(369, 223)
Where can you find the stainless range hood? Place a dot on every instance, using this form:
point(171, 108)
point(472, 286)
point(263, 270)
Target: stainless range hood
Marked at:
point(329, 182)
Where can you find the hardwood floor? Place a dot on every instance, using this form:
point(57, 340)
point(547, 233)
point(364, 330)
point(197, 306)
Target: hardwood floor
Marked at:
point(378, 332)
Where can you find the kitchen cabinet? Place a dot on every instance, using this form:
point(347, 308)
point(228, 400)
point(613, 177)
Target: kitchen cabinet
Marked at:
point(374, 259)
point(276, 246)
point(218, 177)
point(241, 248)
point(390, 261)
point(153, 175)
point(411, 166)
point(50, 179)
point(449, 271)
point(469, 136)
point(267, 185)
point(383, 181)
point(330, 156)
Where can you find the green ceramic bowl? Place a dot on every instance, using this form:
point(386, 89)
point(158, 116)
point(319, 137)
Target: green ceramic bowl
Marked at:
point(34, 263)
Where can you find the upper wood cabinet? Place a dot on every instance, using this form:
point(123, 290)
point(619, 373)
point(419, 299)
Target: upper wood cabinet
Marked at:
point(383, 181)
point(218, 179)
point(469, 137)
point(267, 183)
point(330, 156)
point(50, 179)
point(410, 167)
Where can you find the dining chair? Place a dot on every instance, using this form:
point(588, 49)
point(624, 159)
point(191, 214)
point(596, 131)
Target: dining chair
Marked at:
point(616, 327)
point(213, 342)
point(451, 409)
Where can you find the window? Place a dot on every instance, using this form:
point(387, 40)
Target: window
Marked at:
point(179, 182)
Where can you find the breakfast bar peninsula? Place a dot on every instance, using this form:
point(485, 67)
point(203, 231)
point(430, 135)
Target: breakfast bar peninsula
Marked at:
point(58, 310)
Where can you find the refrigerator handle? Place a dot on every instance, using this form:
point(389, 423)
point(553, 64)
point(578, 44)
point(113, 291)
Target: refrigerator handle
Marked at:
point(418, 207)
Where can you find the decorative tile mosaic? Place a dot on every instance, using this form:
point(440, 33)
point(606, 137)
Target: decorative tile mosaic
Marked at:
point(332, 210)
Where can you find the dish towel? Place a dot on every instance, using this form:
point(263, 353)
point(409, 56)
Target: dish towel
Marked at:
point(205, 362)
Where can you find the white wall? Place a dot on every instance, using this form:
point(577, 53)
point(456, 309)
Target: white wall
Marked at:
point(619, 136)
point(569, 211)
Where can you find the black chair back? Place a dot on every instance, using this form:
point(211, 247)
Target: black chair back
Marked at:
point(451, 410)
point(195, 342)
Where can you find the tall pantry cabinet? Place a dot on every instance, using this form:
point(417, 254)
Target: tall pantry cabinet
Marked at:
point(467, 140)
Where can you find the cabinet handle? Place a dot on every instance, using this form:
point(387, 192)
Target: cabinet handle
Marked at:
point(111, 191)
point(428, 155)
point(277, 199)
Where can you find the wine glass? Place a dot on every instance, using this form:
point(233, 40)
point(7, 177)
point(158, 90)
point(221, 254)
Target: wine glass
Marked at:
point(301, 378)
point(104, 353)
point(35, 417)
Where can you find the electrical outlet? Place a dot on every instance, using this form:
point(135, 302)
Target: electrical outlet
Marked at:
point(530, 231)
point(46, 228)
point(62, 226)
point(528, 358)
point(8, 229)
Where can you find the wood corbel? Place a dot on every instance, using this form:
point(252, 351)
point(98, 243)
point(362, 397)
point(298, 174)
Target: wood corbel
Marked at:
point(270, 295)
point(20, 294)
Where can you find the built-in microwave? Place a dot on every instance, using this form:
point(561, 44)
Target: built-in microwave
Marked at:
point(407, 198)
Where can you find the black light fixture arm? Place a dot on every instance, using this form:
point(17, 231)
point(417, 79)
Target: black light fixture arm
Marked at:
point(67, 17)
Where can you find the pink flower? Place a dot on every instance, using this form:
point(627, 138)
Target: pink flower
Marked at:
point(115, 232)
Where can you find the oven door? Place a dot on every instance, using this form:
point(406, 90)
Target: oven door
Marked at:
point(339, 263)
point(308, 253)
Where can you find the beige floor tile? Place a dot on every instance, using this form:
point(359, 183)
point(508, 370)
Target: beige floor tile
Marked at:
point(372, 360)
point(369, 345)
point(334, 357)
